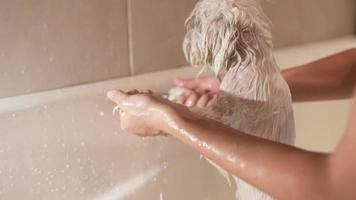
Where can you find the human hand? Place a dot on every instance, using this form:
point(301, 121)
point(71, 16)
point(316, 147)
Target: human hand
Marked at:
point(202, 91)
point(144, 113)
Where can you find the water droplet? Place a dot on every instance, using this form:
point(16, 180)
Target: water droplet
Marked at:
point(101, 113)
point(23, 71)
point(165, 165)
point(13, 115)
point(29, 90)
point(45, 146)
point(81, 191)
point(82, 144)
point(67, 166)
point(38, 171)
point(51, 58)
point(78, 160)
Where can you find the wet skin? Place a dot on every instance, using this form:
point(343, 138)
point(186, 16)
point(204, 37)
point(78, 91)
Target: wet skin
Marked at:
point(283, 171)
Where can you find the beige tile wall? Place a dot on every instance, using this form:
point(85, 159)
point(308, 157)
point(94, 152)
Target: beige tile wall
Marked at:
point(53, 44)
point(157, 33)
point(301, 21)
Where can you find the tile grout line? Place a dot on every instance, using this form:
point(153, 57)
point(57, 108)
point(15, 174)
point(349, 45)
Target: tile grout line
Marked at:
point(130, 40)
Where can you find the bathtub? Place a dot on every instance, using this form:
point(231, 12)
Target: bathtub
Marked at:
point(66, 144)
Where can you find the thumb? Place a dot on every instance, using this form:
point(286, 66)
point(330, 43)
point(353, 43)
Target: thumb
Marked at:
point(186, 83)
point(116, 96)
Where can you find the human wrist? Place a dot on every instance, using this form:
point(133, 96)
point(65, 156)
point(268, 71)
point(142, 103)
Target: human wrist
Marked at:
point(175, 118)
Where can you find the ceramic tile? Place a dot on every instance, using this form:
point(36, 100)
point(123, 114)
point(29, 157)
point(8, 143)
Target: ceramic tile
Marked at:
point(53, 44)
point(157, 33)
point(302, 21)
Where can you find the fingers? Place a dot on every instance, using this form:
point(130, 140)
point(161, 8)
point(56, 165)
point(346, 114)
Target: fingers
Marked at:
point(132, 92)
point(147, 91)
point(191, 99)
point(186, 83)
point(200, 85)
point(182, 98)
point(202, 101)
point(196, 99)
point(211, 101)
point(116, 96)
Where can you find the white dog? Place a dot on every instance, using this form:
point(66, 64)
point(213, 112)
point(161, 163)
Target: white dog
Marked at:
point(233, 38)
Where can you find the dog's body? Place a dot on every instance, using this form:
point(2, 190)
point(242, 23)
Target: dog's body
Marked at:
point(233, 38)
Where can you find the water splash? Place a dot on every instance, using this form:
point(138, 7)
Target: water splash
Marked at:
point(122, 190)
point(116, 108)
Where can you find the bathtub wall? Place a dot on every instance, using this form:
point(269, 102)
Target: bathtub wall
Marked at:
point(53, 44)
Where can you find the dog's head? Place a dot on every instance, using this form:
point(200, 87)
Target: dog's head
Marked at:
point(223, 34)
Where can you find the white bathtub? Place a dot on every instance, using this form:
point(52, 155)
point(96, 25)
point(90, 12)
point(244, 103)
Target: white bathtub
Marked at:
point(65, 144)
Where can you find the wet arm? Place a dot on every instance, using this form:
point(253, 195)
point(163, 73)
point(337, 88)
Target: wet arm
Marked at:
point(283, 171)
point(332, 77)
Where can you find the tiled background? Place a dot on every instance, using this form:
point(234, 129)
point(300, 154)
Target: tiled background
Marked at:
point(53, 44)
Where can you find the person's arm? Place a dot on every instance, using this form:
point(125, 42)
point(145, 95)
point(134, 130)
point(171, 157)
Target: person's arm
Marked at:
point(283, 171)
point(329, 78)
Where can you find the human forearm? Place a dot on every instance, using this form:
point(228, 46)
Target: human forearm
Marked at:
point(280, 170)
point(332, 77)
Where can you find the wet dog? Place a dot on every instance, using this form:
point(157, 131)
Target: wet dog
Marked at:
point(233, 39)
